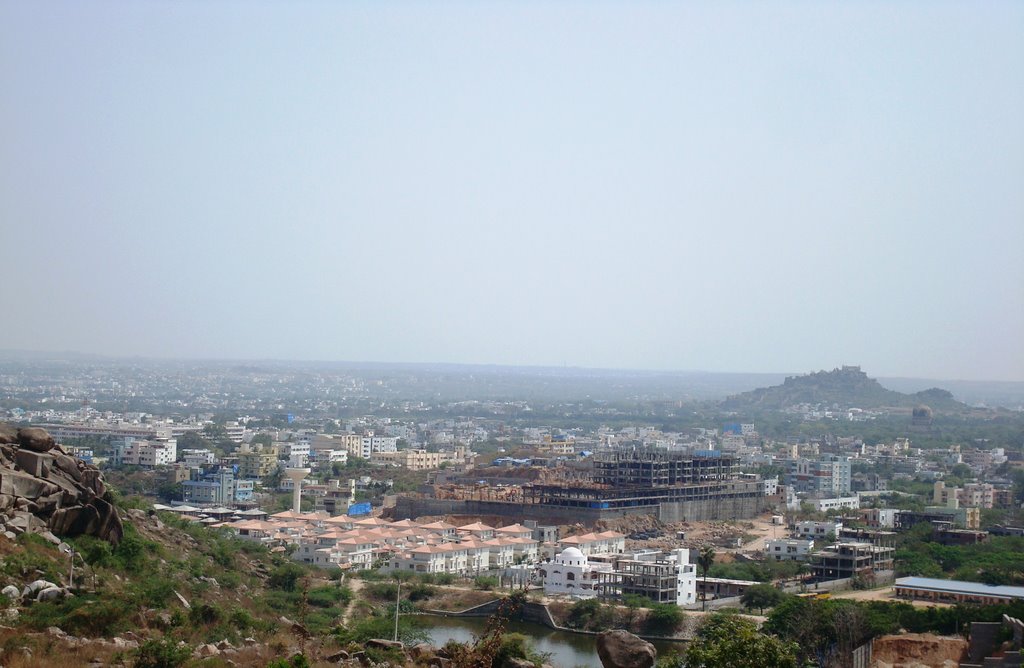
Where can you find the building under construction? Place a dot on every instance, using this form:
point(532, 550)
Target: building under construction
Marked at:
point(673, 486)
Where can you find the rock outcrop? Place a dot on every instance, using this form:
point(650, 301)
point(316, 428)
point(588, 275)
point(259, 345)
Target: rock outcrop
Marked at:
point(42, 488)
point(622, 649)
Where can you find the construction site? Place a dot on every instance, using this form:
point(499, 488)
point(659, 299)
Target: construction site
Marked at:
point(673, 487)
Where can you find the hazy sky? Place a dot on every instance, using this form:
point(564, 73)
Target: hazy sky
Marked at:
point(728, 187)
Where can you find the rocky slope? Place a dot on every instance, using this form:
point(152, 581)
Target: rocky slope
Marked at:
point(43, 489)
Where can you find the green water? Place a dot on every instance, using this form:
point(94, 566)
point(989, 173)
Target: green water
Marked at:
point(567, 650)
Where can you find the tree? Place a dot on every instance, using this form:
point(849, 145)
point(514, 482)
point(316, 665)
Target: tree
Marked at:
point(485, 582)
point(962, 471)
point(214, 431)
point(191, 440)
point(729, 641)
point(261, 439)
point(170, 491)
point(286, 577)
point(761, 596)
point(705, 560)
point(664, 619)
point(632, 603)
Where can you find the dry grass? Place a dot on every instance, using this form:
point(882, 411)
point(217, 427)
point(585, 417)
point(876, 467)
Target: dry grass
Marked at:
point(453, 599)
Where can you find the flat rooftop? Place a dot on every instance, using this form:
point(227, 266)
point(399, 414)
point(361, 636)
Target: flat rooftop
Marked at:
point(960, 587)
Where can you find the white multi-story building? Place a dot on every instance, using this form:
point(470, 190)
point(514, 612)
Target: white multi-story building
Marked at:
point(824, 505)
point(661, 578)
point(371, 444)
point(198, 457)
point(291, 449)
point(788, 549)
point(817, 530)
point(234, 431)
point(324, 458)
point(827, 476)
point(133, 452)
point(572, 574)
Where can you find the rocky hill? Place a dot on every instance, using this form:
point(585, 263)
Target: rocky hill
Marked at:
point(844, 387)
point(43, 489)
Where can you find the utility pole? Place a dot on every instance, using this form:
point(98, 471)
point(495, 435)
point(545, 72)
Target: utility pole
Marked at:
point(398, 600)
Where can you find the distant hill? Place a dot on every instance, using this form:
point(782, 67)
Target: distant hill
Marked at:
point(847, 386)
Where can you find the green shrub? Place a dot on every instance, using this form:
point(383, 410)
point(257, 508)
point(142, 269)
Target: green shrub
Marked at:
point(513, 646)
point(252, 548)
point(223, 554)
point(664, 619)
point(324, 597)
point(242, 620)
point(155, 592)
point(229, 580)
point(83, 615)
point(130, 553)
point(421, 592)
point(382, 626)
point(590, 615)
point(34, 539)
point(282, 601)
point(286, 577)
point(163, 653)
point(297, 661)
point(31, 562)
point(485, 582)
point(205, 614)
point(381, 591)
point(94, 551)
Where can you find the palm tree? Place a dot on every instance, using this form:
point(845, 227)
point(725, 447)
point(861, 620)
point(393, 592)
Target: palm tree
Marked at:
point(705, 560)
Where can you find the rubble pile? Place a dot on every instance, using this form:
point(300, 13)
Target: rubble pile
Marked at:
point(918, 649)
point(45, 490)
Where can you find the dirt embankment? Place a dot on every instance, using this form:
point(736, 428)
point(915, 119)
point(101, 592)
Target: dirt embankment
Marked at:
point(917, 649)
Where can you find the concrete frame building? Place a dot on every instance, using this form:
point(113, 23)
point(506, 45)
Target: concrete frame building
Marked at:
point(658, 577)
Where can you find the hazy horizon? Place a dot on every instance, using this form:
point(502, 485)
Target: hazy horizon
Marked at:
point(720, 188)
point(70, 355)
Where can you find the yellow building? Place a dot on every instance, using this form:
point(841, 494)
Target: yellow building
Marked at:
point(257, 463)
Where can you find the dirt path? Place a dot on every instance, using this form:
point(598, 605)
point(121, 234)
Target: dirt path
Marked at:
point(355, 584)
point(764, 531)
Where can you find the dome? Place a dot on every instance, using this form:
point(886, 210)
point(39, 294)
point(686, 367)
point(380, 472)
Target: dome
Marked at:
point(570, 554)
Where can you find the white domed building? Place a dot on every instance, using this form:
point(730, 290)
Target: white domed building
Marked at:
point(572, 574)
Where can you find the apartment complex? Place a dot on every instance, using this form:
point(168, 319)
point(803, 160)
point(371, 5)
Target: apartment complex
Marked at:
point(827, 476)
point(130, 451)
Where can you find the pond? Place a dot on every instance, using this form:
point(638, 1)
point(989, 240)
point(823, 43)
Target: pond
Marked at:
point(567, 650)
